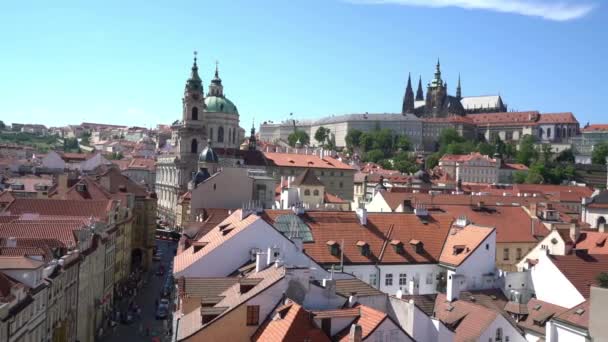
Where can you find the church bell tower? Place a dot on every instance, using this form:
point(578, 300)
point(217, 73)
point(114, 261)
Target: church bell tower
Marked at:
point(192, 129)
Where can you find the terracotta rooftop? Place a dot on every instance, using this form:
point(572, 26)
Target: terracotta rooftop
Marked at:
point(562, 118)
point(62, 232)
point(233, 298)
point(369, 320)
point(581, 270)
point(577, 316)
point(53, 207)
point(19, 263)
point(507, 118)
point(468, 320)
point(539, 313)
point(304, 160)
point(380, 229)
point(593, 242)
point(595, 128)
point(462, 242)
point(290, 322)
point(512, 223)
point(205, 287)
point(331, 198)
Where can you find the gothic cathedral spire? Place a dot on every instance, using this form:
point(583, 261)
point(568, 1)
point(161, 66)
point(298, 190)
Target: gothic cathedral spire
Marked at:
point(419, 93)
point(408, 99)
point(458, 89)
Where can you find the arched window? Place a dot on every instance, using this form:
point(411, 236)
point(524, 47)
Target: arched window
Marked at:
point(194, 113)
point(548, 133)
point(229, 135)
point(194, 146)
point(316, 192)
point(600, 221)
point(306, 192)
point(211, 133)
point(234, 136)
point(220, 134)
point(564, 132)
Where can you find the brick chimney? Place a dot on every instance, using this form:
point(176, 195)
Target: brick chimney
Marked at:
point(575, 232)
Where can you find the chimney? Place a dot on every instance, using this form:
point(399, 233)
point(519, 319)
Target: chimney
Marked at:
point(330, 287)
point(11, 242)
point(260, 262)
point(575, 232)
point(355, 334)
point(352, 299)
point(362, 215)
point(533, 209)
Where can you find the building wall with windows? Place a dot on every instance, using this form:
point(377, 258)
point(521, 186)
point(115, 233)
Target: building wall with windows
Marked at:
point(337, 181)
point(510, 254)
point(409, 278)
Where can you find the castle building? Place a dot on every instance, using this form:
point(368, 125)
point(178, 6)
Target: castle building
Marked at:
point(212, 118)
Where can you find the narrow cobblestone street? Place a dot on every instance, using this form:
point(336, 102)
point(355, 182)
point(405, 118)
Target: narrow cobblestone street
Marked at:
point(146, 300)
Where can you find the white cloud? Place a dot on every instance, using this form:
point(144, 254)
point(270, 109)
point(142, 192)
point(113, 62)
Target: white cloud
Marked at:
point(547, 9)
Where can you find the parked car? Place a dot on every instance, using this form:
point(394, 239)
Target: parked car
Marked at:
point(162, 311)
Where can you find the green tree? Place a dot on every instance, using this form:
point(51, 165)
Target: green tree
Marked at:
point(510, 150)
point(374, 156)
point(432, 160)
point(85, 139)
point(546, 153)
point(485, 148)
point(116, 156)
point(519, 177)
point(527, 153)
point(322, 135)
point(536, 174)
point(406, 165)
point(300, 135)
point(353, 138)
point(366, 142)
point(2, 125)
point(448, 136)
point(383, 140)
point(599, 153)
point(402, 143)
point(565, 156)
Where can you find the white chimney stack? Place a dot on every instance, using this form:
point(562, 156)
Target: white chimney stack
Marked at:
point(362, 215)
point(260, 262)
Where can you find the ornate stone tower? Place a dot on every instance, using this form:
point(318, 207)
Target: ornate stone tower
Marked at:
point(191, 131)
point(419, 93)
point(459, 89)
point(408, 98)
point(436, 93)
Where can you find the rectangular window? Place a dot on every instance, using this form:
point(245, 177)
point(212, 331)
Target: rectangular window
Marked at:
point(253, 314)
point(388, 279)
point(402, 279)
point(429, 278)
point(518, 253)
point(505, 254)
point(373, 279)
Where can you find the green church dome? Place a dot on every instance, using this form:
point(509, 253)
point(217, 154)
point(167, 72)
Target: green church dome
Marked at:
point(220, 105)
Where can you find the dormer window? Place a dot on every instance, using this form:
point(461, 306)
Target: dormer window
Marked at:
point(418, 246)
point(397, 246)
point(363, 248)
point(458, 249)
point(334, 248)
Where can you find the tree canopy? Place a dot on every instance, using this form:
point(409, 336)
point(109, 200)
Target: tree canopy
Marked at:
point(300, 135)
point(322, 135)
point(599, 153)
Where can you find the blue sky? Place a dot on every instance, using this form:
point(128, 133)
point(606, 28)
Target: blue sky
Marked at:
point(126, 62)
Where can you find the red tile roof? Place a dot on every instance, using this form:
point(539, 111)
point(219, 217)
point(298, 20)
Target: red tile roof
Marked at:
point(563, 118)
point(52, 207)
point(581, 270)
point(290, 322)
point(369, 320)
point(593, 242)
point(331, 198)
point(381, 228)
point(304, 160)
point(469, 320)
point(539, 310)
point(595, 128)
point(462, 242)
point(578, 315)
point(508, 118)
point(62, 232)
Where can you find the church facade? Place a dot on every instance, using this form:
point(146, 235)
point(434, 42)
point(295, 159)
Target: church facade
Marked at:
point(206, 119)
point(439, 104)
